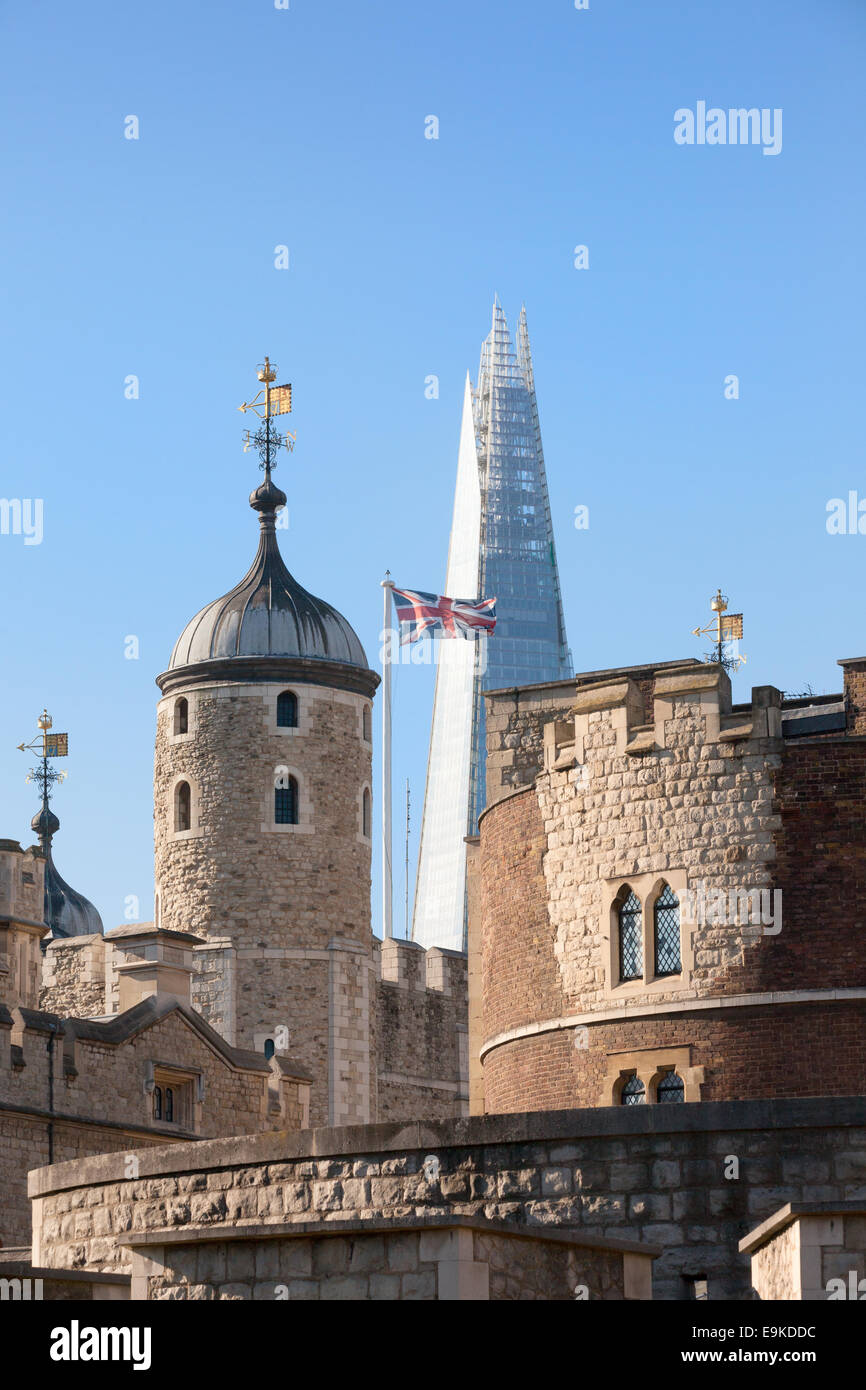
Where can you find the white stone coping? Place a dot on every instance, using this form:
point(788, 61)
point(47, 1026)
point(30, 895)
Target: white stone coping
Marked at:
point(793, 1211)
point(685, 1006)
point(373, 1226)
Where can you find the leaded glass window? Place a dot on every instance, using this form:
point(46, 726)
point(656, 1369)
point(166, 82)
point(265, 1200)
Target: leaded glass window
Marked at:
point(633, 1092)
point(630, 949)
point(286, 803)
point(670, 1089)
point(667, 933)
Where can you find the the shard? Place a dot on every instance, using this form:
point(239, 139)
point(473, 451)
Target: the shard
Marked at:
point(501, 546)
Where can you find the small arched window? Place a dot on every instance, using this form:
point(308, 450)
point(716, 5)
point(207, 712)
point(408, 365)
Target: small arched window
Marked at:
point(286, 802)
point(670, 1089)
point(182, 806)
point(666, 918)
point(157, 1102)
point(287, 710)
point(365, 812)
point(630, 946)
point(633, 1092)
point(181, 716)
point(365, 723)
point(270, 1048)
point(169, 1105)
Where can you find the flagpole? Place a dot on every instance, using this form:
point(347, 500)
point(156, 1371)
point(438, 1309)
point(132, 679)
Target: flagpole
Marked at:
point(387, 881)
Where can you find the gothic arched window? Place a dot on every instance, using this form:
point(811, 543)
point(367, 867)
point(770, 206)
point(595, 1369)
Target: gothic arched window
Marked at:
point(286, 803)
point(365, 812)
point(269, 1048)
point(670, 1089)
point(181, 716)
point(157, 1102)
point(666, 934)
point(182, 806)
point(169, 1105)
point(287, 710)
point(630, 945)
point(633, 1092)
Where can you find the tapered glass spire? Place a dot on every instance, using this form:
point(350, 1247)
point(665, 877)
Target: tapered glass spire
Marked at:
point(501, 546)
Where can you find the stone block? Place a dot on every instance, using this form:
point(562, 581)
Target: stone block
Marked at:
point(344, 1288)
point(418, 1286)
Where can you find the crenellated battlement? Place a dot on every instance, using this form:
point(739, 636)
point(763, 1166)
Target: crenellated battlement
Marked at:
point(421, 1030)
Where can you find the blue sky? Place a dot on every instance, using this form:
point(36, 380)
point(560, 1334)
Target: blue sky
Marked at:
point(305, 127)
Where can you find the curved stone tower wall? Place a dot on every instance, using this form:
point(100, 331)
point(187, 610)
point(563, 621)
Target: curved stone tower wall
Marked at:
point(659, 782)
point(285, 909)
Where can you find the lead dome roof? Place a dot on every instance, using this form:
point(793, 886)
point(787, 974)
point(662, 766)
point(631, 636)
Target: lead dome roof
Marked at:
point(268, 614)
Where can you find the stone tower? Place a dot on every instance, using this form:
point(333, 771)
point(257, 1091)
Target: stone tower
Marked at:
point(262, 810)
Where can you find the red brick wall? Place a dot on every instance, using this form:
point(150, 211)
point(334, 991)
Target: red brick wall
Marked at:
point(789, 1051)
point(520, 978)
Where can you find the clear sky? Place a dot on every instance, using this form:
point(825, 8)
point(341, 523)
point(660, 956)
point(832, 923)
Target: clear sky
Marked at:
point(305, 127)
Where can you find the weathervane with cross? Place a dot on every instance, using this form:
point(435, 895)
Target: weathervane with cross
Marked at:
point(47, 745)
point(270, 401)
point(725, 627)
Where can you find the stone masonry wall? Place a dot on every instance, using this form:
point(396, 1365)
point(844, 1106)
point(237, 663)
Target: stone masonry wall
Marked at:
point(278, 895)
point(422, 1021)
point(73, 977)
point(657, 1174)
point(776, 1266)
point(403, 1266)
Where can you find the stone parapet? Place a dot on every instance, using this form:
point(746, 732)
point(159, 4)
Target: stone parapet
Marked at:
point(662, 1175)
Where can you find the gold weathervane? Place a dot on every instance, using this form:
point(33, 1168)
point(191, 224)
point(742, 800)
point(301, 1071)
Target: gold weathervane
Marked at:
point(46, 745)
point(270, 401)
point(725, 627)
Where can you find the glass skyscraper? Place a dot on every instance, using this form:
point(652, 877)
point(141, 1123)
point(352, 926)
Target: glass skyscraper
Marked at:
point(501, 546)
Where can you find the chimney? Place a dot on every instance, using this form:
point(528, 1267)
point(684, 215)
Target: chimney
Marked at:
point(854, 668)
point(149, 960)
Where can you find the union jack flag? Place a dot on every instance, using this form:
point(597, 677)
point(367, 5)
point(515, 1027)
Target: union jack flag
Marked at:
point(418, 613)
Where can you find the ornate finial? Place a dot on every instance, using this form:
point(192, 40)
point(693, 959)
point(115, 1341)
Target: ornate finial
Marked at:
point(270, 401)
point(726, 628)
point(46, 745)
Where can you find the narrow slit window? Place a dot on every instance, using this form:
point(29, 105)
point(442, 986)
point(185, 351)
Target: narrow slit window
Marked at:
point(182, 807)
point(287, 710)
point(286, 803)
point(181, 716)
